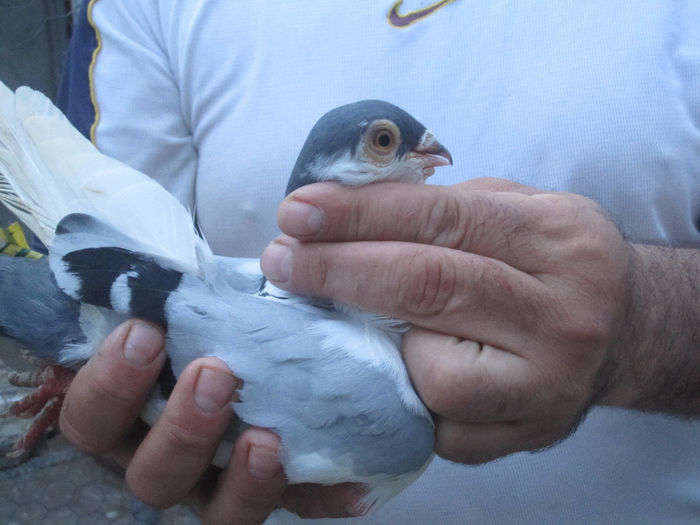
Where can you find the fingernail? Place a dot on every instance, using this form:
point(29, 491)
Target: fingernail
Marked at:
point(143, 344)
point(263, 463)
point(214, 389)
point(276, 262)
point(297, 218)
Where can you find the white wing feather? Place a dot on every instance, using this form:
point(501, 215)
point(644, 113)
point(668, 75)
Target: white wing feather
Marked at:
point(49, 170)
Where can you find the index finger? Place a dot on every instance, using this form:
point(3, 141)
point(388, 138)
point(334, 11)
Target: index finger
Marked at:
point(486, 216)
point(331, 211)
point(445, 290)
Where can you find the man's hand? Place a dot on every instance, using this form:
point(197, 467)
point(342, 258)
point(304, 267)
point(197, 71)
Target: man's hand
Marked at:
point(526, 304)
point(171, 462)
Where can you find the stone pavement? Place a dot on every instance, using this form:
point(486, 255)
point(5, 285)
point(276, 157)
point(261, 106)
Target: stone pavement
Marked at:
point(59, 485)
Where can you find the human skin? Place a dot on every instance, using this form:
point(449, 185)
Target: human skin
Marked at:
point(528, 307)
point(170, 462)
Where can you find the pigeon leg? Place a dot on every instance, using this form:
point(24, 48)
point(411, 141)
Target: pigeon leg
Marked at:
point(51, 383)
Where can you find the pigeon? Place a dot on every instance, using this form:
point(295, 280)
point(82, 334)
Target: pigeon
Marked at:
point(326, 378)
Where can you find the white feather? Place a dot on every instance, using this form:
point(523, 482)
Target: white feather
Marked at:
point(49, 170)
point(120, 293)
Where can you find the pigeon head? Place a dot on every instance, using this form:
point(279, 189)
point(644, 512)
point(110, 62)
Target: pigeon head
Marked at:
point(367, 141)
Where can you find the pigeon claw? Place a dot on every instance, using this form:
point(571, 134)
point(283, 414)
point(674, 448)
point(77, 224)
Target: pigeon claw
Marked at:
point(44, 404)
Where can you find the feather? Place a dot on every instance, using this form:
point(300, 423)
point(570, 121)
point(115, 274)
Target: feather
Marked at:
point(327, 378)
point(49, 170)
point(96, 264)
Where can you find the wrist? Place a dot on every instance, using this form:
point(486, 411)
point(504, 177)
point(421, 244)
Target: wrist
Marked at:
point(655, 357)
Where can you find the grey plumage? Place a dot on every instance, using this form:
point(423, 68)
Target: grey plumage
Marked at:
point(328, 379)
point(34, 310)
point(344, 130)
point(339, 130)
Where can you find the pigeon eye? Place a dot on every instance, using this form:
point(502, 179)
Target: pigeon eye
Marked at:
point(384, 139)
point(381, 142)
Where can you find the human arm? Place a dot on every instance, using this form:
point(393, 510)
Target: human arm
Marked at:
point(529, 307)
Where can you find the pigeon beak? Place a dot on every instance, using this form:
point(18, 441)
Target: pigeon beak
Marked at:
point(432, 154)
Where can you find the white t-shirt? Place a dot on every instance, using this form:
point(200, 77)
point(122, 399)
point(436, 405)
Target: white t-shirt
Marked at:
point(215, 98)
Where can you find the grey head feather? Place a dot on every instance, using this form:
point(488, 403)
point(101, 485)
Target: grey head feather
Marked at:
point(341, 130)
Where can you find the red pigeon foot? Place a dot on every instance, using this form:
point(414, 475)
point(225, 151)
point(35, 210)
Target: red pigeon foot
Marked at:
point(51, 383)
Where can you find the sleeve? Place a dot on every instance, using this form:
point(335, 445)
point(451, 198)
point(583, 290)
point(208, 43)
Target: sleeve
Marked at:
point(118, 89)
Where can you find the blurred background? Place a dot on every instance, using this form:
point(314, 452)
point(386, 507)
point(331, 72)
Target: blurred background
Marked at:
point(33, 38)
point(55, 484)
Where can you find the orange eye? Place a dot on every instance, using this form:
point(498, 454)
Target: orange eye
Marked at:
point(384, 139)
point(381, 141)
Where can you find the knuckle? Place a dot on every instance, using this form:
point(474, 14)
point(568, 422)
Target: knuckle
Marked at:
point(148, 491)
point(489, 226)
point(80, 437)
point(319, 270)
point(582, 327)
point(426, 283)
point(355, 222)
point(443, 224)
point(591, 247)
point(251, 499)
point(490, 276)
point(94, 419)
point(185, 441)
point(106, 388)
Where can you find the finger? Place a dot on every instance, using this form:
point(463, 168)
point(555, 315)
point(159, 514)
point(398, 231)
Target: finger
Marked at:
point(252, 484)
point(445, 290)
point(470, 382)
point(182, 443)
point(494, 184)
point(312, 501)
point(119, 457)
point(473, 443)
point(109, 391)
point(463, 217)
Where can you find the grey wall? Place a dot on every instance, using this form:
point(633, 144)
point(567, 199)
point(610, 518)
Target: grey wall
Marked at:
point(33, 38)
